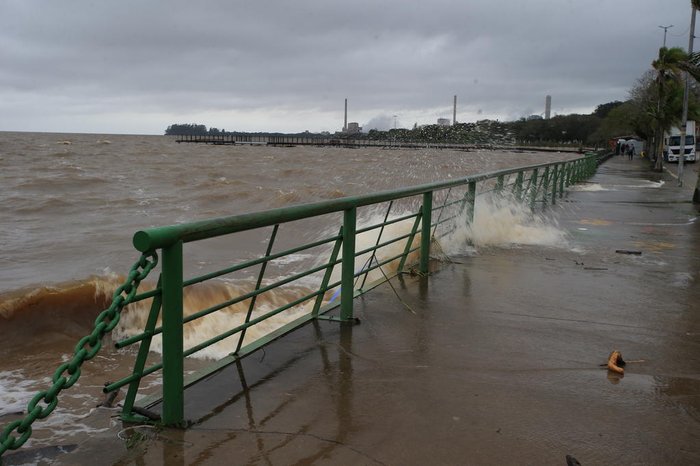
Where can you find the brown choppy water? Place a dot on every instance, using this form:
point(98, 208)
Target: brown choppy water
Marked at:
point(71, 203)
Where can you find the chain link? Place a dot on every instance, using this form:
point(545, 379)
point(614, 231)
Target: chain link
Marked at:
point(87, 348)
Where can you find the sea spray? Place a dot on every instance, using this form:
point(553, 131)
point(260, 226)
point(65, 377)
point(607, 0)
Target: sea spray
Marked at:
point(588, 187)
point(502, 222)
point(498, 222)
point(206, 295)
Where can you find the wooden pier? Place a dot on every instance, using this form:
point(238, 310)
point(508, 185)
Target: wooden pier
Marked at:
point(291, 141)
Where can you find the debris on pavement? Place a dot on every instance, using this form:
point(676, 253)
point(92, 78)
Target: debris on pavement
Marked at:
point(615, 362)
point(628, 251)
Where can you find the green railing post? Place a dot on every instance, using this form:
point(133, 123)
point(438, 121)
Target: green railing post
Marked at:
point(533, 192)
point(545, 184)
point(499, 184)
point(555, 187)
point(261, 275)
point(562, 177)
point(327, 275)
point(471, 201)
point(579, 170)
point(142, 355)
point(348, 265)
point(425, 231)
point(368, 265)
point(518, 188)
point(409, 241)
point(173, 375)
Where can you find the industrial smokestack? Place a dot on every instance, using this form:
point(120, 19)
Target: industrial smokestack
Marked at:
point(547, 107)
point(454, 112)
point(345, 122)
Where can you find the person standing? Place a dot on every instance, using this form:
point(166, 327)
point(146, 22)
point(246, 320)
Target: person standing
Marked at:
point(630, 150)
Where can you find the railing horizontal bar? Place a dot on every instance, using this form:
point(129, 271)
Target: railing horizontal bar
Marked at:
point(155, 238)
point(241, 266)
point(445, 233)
point(247, 350)
point(238, 299)
point(262, 290)
point(388, 222)
point(146, 295)
point(381, 245)
point(449, 204)
point(288, 306)
point(250, 323)
point(127, 380)
point(260, 260)
point(446, 220)
point(384, 262)
point(189, 352)
point(133, 339)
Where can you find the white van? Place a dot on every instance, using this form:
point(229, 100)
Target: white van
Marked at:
point(672, 143)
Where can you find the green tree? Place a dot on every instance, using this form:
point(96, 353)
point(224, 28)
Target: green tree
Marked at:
point(617, 122)
point(643, 104)
point(603, 110)
point(669, 67)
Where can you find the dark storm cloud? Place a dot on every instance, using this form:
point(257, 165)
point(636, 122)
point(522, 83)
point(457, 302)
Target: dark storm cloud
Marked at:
point(164, 60)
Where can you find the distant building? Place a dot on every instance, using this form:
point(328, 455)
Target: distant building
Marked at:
point(444, 122)
point(534, 117)
point(547, 106)
point(354, 128)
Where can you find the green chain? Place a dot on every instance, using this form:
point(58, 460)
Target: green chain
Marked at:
point(86, 349)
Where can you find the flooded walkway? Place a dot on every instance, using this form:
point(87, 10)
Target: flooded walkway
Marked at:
point(493, 359)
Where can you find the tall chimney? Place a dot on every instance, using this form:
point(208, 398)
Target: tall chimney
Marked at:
point(454, 112)
point(345, 122)
point(547, 107)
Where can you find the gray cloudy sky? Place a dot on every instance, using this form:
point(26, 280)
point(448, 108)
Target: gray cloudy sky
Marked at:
point(138, 66)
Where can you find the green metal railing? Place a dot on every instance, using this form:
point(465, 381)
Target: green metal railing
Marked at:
point(441, 206)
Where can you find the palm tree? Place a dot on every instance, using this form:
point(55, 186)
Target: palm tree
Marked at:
point(670, 67)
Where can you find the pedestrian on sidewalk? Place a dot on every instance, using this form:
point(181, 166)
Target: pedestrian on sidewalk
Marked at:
point(621, 143)
point(630, 151)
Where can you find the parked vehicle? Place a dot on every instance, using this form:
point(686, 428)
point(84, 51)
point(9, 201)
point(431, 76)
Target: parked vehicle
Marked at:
point(672, 143)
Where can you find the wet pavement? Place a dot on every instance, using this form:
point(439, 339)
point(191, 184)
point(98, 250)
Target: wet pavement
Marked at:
point(493, 359)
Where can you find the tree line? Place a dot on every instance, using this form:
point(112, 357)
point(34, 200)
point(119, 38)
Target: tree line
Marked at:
point(191, 129)
point(572, 129)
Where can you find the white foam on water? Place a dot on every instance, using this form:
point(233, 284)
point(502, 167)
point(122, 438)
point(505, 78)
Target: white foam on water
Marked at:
point(504, 222)
point(294, 258)
point(15, 391)
point(643, 184)
point(589, 187)
point(682, 279)
point(499, 222)
point(206, 295)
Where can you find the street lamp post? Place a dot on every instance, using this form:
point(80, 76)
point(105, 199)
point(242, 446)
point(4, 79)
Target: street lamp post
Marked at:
point(659, 133)
point(684, 115)
point(665, 28)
